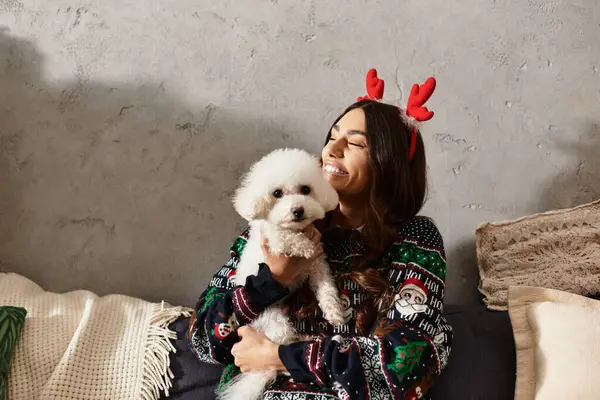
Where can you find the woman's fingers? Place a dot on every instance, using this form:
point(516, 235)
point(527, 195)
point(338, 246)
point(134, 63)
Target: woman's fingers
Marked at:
point(318, 252)
point(242, 330)
point(309, 231)
point(264, 244)
point(317, 237)
point(312, 233)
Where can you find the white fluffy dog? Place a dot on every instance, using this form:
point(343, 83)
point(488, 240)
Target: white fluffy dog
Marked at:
point(282, 194)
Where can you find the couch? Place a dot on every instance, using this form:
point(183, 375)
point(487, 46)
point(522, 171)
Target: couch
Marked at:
point(481, 367)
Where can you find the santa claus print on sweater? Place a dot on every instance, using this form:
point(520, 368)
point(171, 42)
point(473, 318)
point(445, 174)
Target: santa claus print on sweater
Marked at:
point(411, 298)
point(224, 329)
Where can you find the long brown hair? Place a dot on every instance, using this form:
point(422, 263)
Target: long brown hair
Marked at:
point(397, 194)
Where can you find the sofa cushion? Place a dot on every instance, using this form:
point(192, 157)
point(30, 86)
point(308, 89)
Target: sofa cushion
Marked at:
point(12, 320)
point(194, 379)
point(482, 363)
point(557, 249)
point(556, 335)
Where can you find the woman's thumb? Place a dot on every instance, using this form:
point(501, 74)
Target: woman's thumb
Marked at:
point(264, 242)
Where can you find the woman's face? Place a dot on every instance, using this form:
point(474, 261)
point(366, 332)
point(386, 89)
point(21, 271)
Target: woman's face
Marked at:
point(346, 155)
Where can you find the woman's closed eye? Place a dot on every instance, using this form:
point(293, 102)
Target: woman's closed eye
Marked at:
point(353, 143)
point(360, 145)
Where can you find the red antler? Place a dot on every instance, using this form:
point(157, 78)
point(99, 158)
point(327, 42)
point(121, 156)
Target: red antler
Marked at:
point(374, 86)
point(418, 97)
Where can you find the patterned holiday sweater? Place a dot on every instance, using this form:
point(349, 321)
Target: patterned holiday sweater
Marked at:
point(402, 356)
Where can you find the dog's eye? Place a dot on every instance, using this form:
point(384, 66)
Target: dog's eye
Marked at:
point(305, 189)
point(278, 194)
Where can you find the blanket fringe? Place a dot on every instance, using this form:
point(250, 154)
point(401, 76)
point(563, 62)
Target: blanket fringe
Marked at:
point(157, 374)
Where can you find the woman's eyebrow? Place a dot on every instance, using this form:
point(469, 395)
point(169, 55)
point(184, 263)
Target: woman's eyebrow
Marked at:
point(356, 132)
point(349, 132)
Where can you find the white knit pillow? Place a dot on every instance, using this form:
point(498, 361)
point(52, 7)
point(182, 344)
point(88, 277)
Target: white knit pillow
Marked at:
point(558, 346)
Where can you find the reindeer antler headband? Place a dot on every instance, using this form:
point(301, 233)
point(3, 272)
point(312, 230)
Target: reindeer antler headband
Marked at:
point(415, 107)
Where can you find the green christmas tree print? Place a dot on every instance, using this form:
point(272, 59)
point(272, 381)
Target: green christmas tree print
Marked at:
point(210, 296)
point(229, 372)
point(406, 359)
point(407, 252)
point(238, 246)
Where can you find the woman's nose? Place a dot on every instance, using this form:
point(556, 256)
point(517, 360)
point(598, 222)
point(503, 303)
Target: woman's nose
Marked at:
point(336, 149)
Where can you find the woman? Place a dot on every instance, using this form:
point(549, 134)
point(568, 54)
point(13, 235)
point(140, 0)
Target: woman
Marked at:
point(389, 264)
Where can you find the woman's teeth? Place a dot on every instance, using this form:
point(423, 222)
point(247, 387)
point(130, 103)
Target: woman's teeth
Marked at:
point(334, 170)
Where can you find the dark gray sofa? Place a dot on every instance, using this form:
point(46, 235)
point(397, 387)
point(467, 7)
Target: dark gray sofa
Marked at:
point(481, 367)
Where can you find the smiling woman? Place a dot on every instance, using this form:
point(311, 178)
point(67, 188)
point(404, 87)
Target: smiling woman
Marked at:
point(361, 159)
point(389, 265)
point(345, 156)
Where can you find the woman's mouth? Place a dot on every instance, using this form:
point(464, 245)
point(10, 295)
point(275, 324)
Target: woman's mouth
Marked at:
point(334, 170)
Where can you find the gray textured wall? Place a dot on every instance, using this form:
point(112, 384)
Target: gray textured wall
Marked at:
point(124, 125)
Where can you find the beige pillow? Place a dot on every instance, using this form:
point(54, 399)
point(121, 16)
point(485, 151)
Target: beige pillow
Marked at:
point(557, 339)
point(558, 250)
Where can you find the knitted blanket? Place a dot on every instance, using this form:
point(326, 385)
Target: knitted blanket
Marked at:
point(81, 346)
point(556, 250)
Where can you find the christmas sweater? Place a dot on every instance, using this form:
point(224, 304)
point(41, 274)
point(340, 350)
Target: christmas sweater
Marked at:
point(401, 357)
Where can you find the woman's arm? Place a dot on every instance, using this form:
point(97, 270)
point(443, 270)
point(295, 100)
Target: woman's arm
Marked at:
point(401, 356)
point(222, 308)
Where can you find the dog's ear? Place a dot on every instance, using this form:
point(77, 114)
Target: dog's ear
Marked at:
point(329, 197)
point(249, 202)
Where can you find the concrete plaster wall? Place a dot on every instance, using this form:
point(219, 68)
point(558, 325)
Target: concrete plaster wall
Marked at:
point(124, 125)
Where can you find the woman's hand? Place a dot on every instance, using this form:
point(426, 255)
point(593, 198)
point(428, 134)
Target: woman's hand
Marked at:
point(285, 269)
point(255, 352)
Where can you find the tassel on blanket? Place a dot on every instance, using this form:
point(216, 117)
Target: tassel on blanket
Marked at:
point(157, 374)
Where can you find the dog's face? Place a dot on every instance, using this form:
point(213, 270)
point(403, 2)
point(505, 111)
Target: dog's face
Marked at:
point(287, 188)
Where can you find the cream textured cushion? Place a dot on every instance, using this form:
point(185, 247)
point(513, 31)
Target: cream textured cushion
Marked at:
point(558, 250)
point(557, 343)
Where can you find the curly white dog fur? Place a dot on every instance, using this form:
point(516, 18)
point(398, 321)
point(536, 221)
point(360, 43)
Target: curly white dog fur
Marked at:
point(282, 194)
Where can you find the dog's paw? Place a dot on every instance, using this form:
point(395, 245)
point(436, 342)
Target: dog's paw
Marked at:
point(305, 252)
point(278, 247)
point(334, 317)
point(333, 311)
point(301, 247)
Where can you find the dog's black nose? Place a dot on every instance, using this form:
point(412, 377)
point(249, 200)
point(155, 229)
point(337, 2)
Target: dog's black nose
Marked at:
point(298, 213)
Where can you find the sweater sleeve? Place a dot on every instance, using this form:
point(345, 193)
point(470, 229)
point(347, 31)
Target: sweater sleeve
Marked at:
point(223, 307)
point(402, 356)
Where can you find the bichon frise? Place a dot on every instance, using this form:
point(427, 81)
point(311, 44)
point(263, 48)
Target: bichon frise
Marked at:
point(282, 194)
